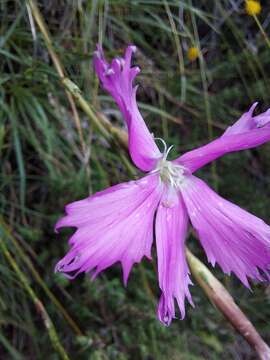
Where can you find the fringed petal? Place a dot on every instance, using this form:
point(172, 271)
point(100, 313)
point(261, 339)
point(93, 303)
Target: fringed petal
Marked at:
point(245, 123)
point(113, 225)
point(171, 231)
point(237, 240)
point(246, 133)
point(117, 79)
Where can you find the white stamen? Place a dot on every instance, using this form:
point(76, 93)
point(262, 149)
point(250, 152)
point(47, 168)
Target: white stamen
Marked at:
point(167, 152)
point(163, 143)
point(170, 173)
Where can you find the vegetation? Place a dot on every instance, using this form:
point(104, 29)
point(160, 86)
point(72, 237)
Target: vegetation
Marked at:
point(51, 154)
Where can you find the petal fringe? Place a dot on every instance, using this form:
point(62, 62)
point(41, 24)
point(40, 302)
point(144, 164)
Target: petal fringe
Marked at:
point(248, 132)
point(237, 240)
point(245, 123)
point(113, 225)
point(171, 231)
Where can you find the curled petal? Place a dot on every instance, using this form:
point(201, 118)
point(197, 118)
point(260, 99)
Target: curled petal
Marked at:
point(171, 231)
point(245, 123)
point(263, 119)
point(237, 240)
point(117, 79)
point(246, 133)
point(113, 225)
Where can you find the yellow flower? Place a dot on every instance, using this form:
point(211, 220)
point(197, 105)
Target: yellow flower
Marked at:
point(253, 7)
point(193, 53)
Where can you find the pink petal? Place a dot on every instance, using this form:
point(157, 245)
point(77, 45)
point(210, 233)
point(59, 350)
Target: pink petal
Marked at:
point(245, 123)
point(171, 231)
point(263, 119)
point(237, 240)
point(117, 79)
point(113, 225)
point(246, 133)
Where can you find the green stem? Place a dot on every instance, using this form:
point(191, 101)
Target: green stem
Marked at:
point(205, 95)
point(37, 302)
point(266, 38)
point(76, 92)
point(179, 51)
point(38, 278)
point(34, 10)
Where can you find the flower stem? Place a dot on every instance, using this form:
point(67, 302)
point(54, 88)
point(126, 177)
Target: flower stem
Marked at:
point(220, 297)
point(266, 38)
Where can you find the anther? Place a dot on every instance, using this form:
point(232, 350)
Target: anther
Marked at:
point(163, 143)
point(167, 152)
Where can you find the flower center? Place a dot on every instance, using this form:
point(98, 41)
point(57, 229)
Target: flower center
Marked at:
point(170, 173)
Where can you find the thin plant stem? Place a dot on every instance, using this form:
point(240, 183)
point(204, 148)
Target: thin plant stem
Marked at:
point(37, 302)
point(35, 13)
point(265, 36)
point(250, 58)
point(27, 261)
point(76, 93)
point(205, 95)
point(179, 52)
point(220, 297)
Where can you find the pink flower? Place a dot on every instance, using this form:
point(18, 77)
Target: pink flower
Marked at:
point(118, 224)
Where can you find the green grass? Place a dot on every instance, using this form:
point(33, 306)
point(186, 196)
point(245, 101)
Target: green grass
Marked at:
point(43, 168)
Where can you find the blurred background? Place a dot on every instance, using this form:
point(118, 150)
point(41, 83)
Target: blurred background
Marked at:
point(203, 63)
